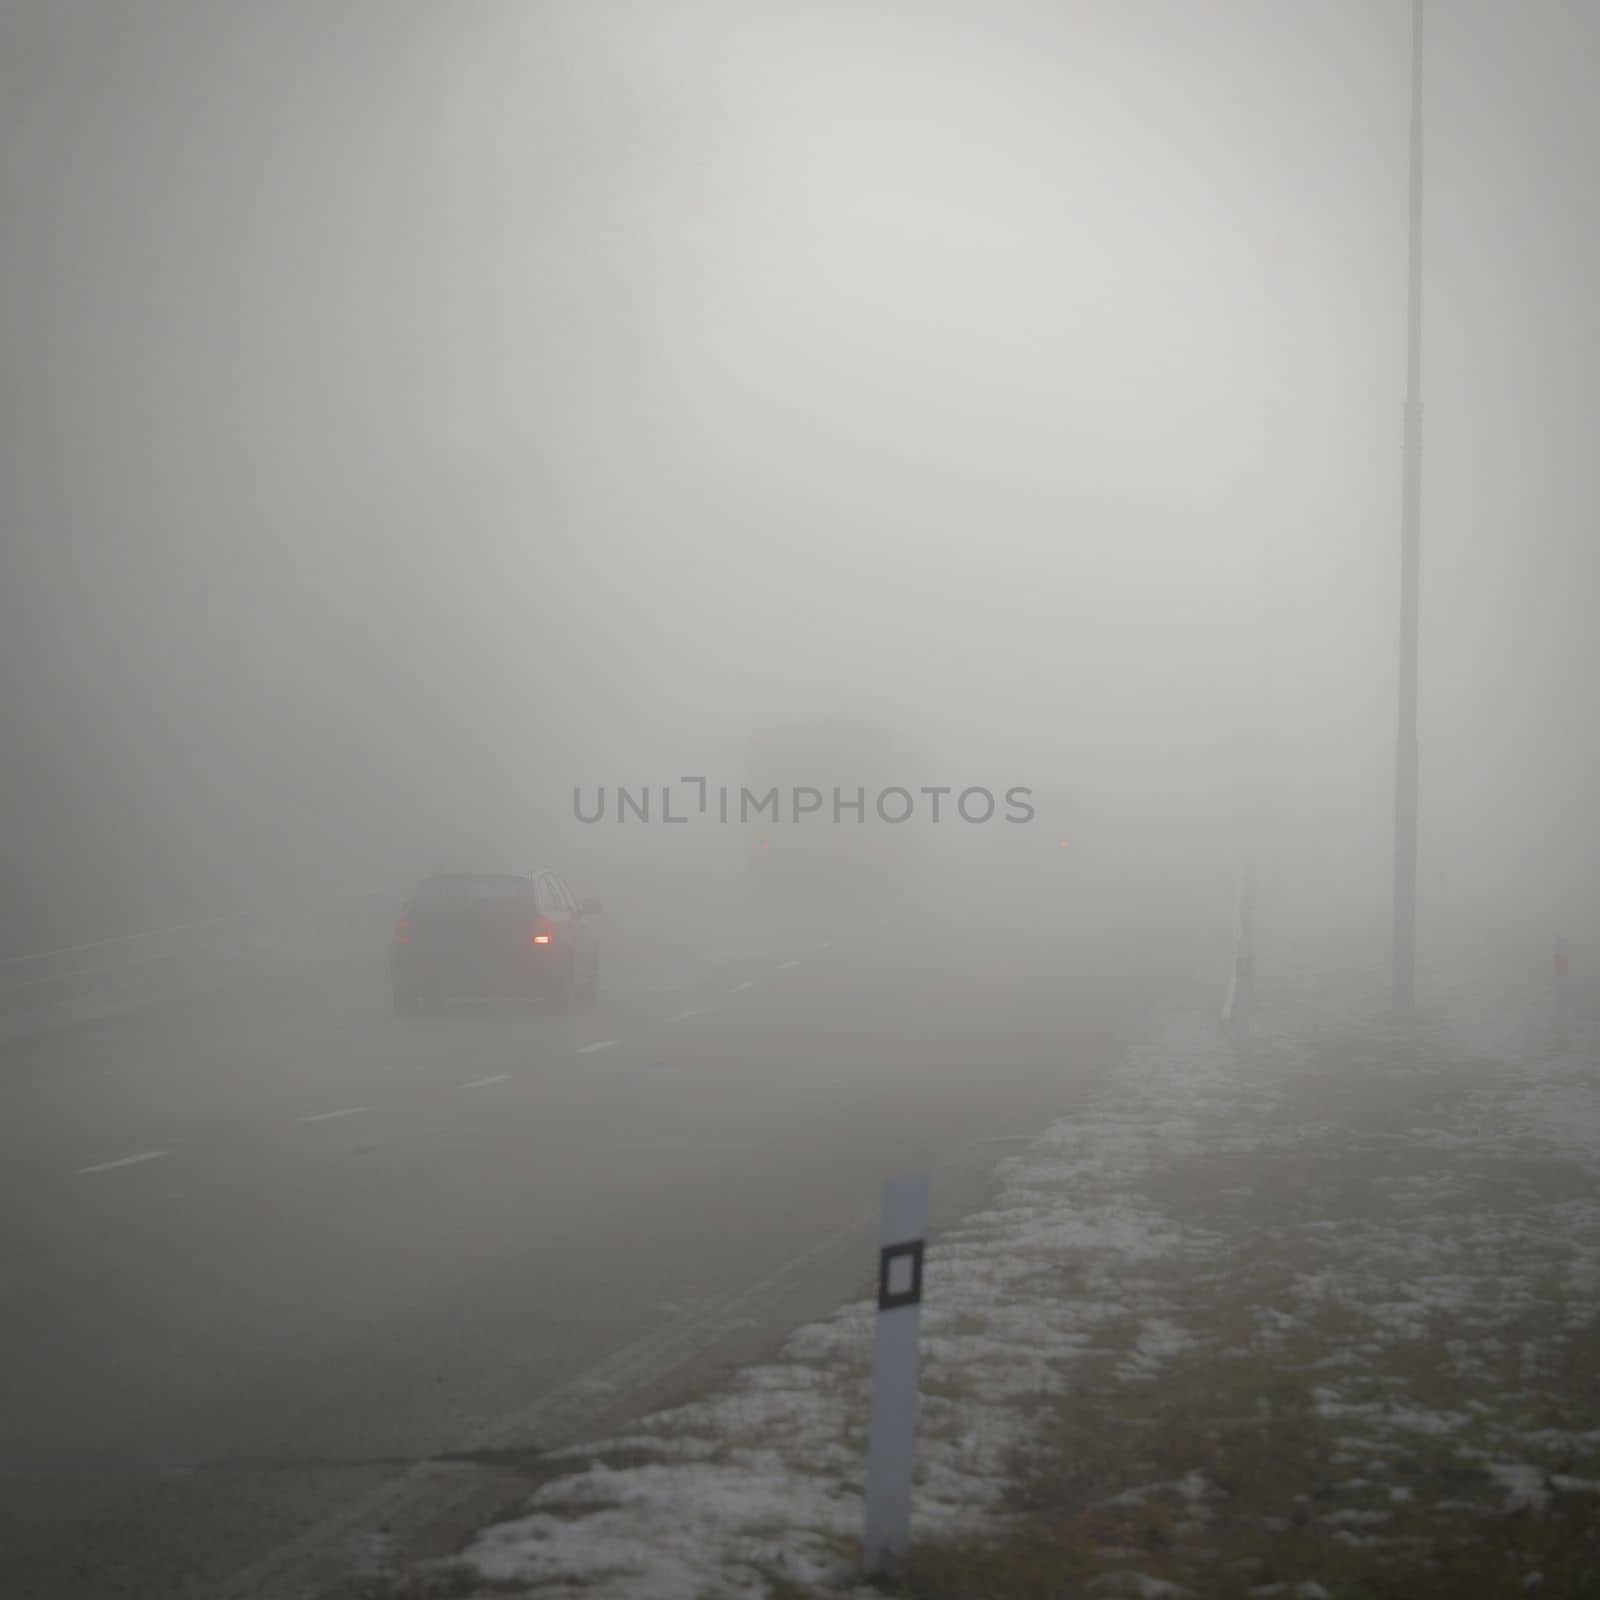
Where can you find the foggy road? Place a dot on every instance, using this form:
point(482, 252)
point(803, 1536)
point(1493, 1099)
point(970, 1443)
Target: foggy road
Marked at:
point(762, 467)
point(1082, 471)
point(265, 1259)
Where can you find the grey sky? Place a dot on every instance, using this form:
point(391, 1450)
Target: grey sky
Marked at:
point(409, 409)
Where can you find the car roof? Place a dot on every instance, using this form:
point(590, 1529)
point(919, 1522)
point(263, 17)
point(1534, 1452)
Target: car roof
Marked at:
point(522, 874)
point(441, 879)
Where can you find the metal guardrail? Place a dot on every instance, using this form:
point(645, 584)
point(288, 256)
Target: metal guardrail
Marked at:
point(111, 977)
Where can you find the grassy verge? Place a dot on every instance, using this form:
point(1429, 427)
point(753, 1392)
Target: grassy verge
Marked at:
point(1388, 1385)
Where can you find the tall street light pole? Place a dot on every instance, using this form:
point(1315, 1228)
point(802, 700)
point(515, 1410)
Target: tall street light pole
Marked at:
point(1405, 792)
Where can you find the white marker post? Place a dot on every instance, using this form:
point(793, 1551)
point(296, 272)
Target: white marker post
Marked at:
point(892, 1437)
point(1236, 1011)
point(1560, 1021)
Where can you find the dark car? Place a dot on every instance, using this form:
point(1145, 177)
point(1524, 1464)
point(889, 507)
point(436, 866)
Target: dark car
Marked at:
point(494, 936)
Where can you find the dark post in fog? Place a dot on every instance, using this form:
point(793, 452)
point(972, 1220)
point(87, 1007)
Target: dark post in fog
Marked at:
point(1405, 791)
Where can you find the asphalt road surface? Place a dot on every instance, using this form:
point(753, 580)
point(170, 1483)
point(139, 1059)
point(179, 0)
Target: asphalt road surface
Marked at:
point(283, 1271)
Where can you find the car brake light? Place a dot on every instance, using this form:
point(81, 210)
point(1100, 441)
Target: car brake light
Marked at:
point(543, 931)
point(402, 932)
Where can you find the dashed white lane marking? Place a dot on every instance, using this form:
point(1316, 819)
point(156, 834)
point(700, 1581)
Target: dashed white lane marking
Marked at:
point(683, 1016)
point(124, 1161)
point(599, 1044)
point(784, 966)
point(739, 988)
point(327, 1116)
point(483, 1083)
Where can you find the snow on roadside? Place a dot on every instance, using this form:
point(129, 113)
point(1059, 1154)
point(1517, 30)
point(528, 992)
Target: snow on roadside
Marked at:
point(1077, 1257)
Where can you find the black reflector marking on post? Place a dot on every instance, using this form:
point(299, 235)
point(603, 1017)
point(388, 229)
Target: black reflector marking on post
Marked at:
point(889, 1299)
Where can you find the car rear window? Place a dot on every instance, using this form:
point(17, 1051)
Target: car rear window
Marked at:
point(464, 887)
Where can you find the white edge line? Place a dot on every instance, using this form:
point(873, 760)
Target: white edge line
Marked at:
point(325, 1116)
point(599, 1044)
point(739, 988)
point(693, 1011)
point(784, 966)
point(483, 1083)
point(123, 1161)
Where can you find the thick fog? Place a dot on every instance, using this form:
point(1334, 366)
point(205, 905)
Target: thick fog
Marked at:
point(413, 411)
